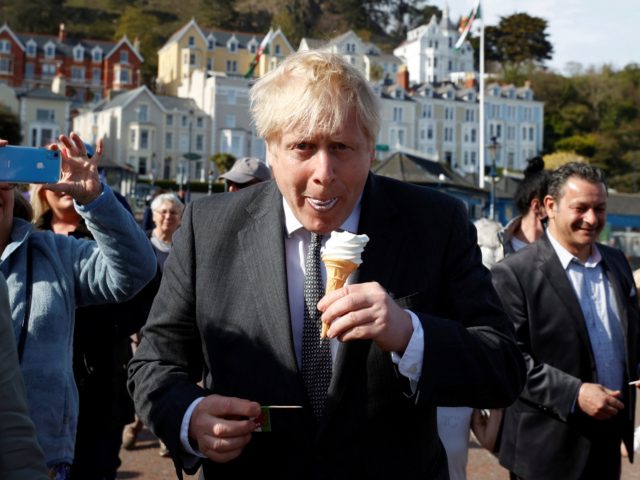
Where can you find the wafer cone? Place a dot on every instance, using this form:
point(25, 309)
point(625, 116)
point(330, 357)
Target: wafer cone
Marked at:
point(337, 273)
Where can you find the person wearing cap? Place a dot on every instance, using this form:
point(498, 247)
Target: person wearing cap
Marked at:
point(245, 172)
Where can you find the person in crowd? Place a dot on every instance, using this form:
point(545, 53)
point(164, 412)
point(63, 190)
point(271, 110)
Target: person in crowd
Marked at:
point(21, 457)
point(245, 172)
point(401, 338)
point(167, 213)
point(496, 242)
point(147, 215)
point(101, 349)
point(575, 310)
point(528, 226)
point(48, 275)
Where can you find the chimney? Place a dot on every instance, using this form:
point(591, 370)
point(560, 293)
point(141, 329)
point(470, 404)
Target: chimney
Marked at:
point(527, 83)
point(62, 34)
point(402, 78)
point(59, 84)
point(136, 44)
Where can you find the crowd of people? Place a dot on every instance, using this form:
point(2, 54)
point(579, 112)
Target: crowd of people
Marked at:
point(526, 335)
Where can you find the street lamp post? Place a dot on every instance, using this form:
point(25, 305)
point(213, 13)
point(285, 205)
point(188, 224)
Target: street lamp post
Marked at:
point(493, 148)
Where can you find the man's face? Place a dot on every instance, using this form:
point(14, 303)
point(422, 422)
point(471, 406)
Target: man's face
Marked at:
point(579, 216)
point(322, 176)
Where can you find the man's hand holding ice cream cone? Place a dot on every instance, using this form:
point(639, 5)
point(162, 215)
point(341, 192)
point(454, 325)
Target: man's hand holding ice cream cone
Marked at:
point(359, 311)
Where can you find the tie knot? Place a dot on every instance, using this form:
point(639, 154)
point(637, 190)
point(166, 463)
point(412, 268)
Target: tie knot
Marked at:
point(316, 238)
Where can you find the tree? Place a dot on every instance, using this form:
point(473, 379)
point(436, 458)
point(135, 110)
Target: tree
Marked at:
point(223, 162)
point(10, 126)
point(136, 24)
point(519, 43)
point(37, 16)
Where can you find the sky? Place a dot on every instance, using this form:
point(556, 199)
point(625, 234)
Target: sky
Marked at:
point(590, 32)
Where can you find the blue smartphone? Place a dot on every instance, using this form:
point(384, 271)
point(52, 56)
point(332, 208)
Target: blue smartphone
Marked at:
point(29, 165)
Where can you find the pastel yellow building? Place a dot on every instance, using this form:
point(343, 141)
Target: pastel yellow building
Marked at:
point(192, 48)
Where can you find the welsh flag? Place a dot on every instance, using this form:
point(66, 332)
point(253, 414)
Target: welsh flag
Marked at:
point(263, 48)
point(466, 23)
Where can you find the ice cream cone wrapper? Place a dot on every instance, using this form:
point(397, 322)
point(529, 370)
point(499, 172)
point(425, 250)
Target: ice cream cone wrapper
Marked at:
point(337, 273)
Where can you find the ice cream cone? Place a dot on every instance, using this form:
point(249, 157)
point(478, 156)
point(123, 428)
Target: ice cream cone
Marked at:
point(338, 271)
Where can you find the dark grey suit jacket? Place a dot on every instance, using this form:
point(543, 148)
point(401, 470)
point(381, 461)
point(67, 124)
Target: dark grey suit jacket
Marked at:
point(222, 312)
point(544, 436)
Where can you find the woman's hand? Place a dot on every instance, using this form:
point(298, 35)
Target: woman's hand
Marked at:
point(79, 174)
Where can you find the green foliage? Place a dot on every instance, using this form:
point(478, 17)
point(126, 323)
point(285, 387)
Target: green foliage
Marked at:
point(584, 145)
point(37, 16)
point(9, 126)
point(223, 162)
point(518, 44)
point(137, 24)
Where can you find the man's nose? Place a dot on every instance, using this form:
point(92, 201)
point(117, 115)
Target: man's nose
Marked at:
point(323, 167)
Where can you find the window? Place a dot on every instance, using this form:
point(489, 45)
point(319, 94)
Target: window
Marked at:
point(5, 46)
point(277, 50)
point(29, 70)
point(450, 63)
point(5, 65)
point(77, 74)
point(96, 76)
point(49, 50)
point(96, 55)
point(232, 66)
point(168, 140)
point(199, 143)
point(209, 63)
point(397, 114)
point(192, 59)
point(252, 47)
point(169, 119)
point(192, 42)
point(430, 133)
point(45, 115)
point(122, 75)
point(124, 56)
point(211, 43)
point(143, 113)
point(199, 122)
point(524, 133)
point(232, 46)
point(473, 134)
point(144, 139)
point(48, 69)
point(230, 120)
point(498, 130)
point(185, 121)
point(531, 134)
point(132, 138)
point(78, 53)
point(31, 48)
point(231, 97)
point(142, 165)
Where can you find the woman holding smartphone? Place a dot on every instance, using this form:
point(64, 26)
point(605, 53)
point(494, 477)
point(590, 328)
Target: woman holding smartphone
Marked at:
point(48, 275)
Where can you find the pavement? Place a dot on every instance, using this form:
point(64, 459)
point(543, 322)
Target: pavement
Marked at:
point(145, 463)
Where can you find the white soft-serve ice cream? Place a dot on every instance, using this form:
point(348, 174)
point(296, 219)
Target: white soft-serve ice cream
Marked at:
point(341, 255)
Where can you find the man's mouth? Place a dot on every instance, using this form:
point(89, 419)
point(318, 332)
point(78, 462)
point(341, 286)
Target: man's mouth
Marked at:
point(322, 205)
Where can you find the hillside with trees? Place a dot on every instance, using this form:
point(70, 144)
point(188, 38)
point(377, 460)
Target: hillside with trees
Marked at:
point(594, 113)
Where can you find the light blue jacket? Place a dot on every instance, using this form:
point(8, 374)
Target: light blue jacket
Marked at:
point(67, 272)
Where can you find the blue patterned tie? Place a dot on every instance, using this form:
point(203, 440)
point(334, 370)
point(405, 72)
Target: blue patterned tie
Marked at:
point(316, 352)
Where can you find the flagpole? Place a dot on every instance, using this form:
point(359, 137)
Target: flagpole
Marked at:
point(481, 126)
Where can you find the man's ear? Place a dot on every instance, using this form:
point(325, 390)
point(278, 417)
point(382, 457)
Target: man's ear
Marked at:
point(549, 206)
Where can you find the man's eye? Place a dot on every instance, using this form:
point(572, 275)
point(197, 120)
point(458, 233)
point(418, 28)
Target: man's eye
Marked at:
point(340, 146)
point(302, 146)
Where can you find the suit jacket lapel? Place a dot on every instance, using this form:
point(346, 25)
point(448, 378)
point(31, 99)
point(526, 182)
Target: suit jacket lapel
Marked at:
point(262, 240)
point(560, 284)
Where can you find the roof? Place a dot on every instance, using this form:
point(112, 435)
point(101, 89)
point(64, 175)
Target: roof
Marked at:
point(623, 203)
point(414, 169)
point(43, 93)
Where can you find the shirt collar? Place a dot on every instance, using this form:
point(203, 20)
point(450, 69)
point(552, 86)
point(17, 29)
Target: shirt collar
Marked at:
point(292, 224)
point(566, 257)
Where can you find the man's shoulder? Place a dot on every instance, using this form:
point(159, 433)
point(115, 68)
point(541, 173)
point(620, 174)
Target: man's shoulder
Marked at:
point(403, 191)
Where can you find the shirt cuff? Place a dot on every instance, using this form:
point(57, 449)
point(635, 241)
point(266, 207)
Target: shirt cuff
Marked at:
point(410, 363)
point(184, 435)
